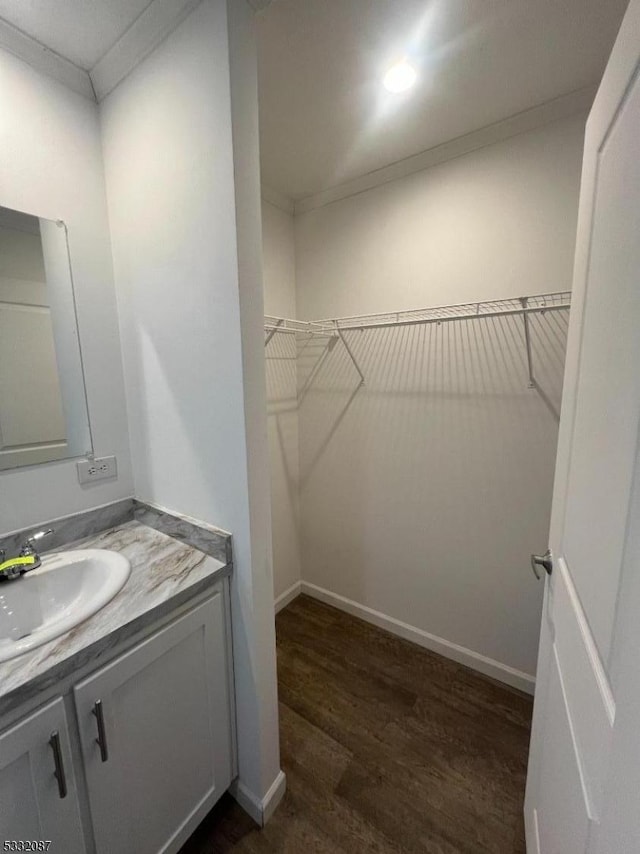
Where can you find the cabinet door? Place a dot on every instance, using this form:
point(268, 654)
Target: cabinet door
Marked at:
point(38, 797)
point(156, 735)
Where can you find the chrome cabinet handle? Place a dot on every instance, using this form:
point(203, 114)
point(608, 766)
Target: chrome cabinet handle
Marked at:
point(544, 561)
point(101, 740)
point(54, 743)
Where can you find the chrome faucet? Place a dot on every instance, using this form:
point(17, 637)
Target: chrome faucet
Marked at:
point(17, 566)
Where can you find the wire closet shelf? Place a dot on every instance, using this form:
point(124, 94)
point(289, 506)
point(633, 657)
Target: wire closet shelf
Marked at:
point(539, 303)
point(463, 311)
point(335, 327)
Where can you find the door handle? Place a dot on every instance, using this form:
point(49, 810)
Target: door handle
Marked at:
point(54, 743)
point(544, 561)
point(101, 740)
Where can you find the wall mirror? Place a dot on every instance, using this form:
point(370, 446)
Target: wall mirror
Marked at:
point(43, 405)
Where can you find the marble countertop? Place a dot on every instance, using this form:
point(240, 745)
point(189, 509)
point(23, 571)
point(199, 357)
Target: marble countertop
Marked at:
point(165, 573)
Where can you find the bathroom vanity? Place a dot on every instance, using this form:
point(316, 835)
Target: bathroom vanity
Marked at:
point(118, 736)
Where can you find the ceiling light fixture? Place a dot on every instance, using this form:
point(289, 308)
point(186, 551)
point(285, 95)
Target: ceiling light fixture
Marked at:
point(400, 77)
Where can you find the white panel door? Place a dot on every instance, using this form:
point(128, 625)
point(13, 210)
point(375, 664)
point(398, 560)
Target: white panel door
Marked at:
point(586, 686)
point(32, 422)
point(38, 797)
point(156, 734)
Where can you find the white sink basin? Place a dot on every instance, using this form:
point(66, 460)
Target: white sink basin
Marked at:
point(66, 589)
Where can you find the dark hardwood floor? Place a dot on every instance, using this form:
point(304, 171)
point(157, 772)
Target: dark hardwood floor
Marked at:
point(386, 747)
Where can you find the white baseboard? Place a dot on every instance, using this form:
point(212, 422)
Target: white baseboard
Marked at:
point(273, 797)
point(260, 809)
point(532, 833)
point(288, 596)
point(487, 666)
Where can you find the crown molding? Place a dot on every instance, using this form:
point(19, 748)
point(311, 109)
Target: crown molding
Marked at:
point(278, 200)
point(45, 60)
point(157, 21)
point(572, 104)
point(150, 28)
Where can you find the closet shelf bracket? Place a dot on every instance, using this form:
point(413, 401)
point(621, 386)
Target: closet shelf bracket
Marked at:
point(350, 352)
point(272, 331)
point(527, 340)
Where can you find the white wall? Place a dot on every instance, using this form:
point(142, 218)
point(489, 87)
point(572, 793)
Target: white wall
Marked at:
point(424, 492)
point(278, 241)
point(187, 334)
point(279, 261)
point(497, 222)
point(256, 686)
point(51, 166)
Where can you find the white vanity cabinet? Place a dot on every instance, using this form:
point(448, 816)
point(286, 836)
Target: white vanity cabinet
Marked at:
point(153, 736)
point(155, 733)
point(38, 795)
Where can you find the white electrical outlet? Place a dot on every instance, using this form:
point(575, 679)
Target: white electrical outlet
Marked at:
point(96, 468)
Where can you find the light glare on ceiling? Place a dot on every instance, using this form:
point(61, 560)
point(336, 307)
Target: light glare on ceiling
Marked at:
point(400, 77)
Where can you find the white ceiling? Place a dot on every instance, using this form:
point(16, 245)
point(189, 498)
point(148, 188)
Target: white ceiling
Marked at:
point(325, 119)
point(91, 45)
point(79, 30)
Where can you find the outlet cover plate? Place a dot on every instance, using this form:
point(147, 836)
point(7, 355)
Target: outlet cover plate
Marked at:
point(96, 468)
